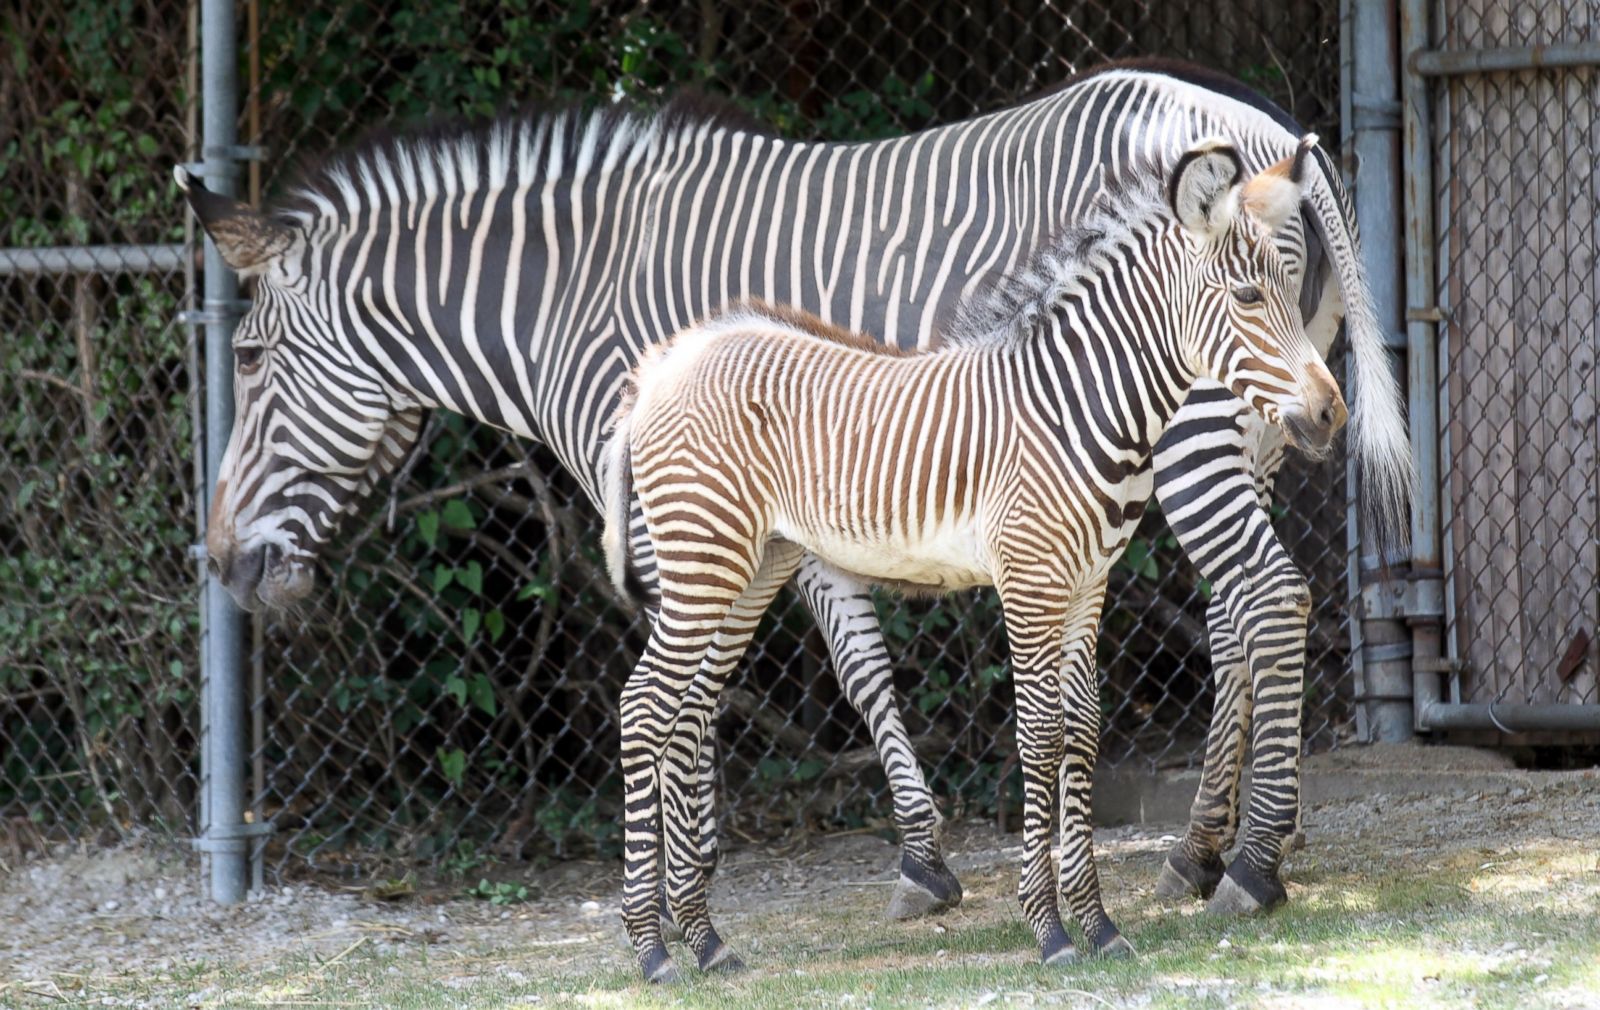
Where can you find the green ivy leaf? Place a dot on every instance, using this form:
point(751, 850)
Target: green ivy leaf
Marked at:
point(452, 764)
point(495, 621)
point(482, 692)
point(428, 527)
point(456, 688)
point(442, 575)
point(471, 576)
point(542, 590)
point(457, 514)
point(470, 619)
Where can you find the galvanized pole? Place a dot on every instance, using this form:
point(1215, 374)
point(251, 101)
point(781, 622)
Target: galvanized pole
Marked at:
point(224, 835)
point(1422, 319)
point(1375, 114)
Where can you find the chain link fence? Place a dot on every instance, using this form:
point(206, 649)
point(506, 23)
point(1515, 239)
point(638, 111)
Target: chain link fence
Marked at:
point(1517, 201)
point(451, 692)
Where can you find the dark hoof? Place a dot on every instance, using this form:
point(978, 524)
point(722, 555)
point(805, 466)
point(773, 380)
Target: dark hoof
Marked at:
point(923, 890)
point(1181, 877)
point(723, 961)
point(1117, 948)
point(1057, 949)
point(1244, 891)
point(658, 967)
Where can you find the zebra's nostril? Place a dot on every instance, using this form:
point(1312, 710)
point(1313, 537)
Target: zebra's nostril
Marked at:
point(214, 566)
point(1326, 417)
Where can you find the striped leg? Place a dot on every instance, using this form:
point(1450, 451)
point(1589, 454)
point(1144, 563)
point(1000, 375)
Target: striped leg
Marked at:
point(1036, 611)
point(683, 773)
point(690, 616)
point(1270, 612)
point(1080, 710)
point(843, 608)
point(1212, 497)
point(1195, 865)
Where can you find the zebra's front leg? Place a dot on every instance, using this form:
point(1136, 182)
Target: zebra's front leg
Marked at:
point(1214, 502)
point(1270, 613)
point(1080, 712)
point(684, 773)
point(1194, 867)
point(842, 606)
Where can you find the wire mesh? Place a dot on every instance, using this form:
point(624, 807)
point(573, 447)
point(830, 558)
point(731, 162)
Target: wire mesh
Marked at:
point(98, 636)
point(1517, 201)
point(452, 689)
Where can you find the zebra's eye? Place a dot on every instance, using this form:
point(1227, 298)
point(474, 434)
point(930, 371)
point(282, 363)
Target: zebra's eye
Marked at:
point(1248, 295)
point(249, 357)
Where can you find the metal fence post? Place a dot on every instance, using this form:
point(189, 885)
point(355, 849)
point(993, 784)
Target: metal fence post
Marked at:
point(1375, 115)
point(1422, 319)
point(224, 837)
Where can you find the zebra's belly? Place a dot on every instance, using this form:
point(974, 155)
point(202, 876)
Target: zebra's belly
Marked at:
point(947, 559)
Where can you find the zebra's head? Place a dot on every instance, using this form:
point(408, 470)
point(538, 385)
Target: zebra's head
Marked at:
point(315, 426)
point(1243, 325)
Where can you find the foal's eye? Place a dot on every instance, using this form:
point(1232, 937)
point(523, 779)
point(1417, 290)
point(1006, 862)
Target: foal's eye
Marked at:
point(1248, 295)
point(249, 357)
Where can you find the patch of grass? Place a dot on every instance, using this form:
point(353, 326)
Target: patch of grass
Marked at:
point(1517, 931)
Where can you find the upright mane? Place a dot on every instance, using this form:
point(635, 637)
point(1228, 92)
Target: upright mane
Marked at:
point(538, 140)
point(1004, 309)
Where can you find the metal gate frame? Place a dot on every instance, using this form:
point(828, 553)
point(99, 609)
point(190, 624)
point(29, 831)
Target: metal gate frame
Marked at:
point(1417, 597)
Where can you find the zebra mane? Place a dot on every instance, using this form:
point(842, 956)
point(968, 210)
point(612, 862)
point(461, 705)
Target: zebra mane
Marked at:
point(1004, 310)
point(520, 144)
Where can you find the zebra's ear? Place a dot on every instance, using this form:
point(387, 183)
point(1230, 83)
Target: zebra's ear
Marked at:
point(1273, 196)
point(1204, 189)
point(247, 239)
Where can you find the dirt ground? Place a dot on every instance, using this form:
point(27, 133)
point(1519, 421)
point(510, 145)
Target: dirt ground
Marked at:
point(130, 927)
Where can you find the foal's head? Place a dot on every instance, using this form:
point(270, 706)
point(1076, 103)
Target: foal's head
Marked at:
point(1240, 320)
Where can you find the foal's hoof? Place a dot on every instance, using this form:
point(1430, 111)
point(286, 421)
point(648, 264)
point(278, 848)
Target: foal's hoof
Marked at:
point(923, 890)
point(658, 967)
point(723, 961)
point(1181, 877)
point(1063, 956)
point(1117, 948)
point(1244, 891)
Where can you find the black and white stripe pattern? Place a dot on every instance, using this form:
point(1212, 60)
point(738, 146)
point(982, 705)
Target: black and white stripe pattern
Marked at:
point(1017, 455)
point(515, 272)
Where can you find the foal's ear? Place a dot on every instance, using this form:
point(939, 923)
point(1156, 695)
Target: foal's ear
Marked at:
point(1204, 189)
point(1273, 196)
point(247, 239)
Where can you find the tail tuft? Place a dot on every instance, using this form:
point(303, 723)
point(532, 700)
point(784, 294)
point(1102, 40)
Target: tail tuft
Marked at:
point(1378, 435)
point(617, 495)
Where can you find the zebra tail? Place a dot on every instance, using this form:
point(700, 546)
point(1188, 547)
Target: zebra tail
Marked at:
point(1378, 434)
point(617, 492)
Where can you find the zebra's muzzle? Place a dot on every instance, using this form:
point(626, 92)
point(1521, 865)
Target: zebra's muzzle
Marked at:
point(1311, 429)
point(261, 577)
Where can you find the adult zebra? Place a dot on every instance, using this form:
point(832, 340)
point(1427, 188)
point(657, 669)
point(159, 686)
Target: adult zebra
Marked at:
point(1023, 463)
point(514, 272)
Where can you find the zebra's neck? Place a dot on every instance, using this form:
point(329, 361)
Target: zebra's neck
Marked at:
point(1102, 382)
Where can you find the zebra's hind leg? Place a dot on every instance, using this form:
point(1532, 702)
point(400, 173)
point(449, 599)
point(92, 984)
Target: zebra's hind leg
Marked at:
point(684, 774)
point(842, 606)
point(1194, 866)
point(710, 850)
point(651, 702)
point(1080, 714)
point(1034, 626)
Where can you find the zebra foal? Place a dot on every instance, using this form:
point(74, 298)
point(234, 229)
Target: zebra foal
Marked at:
point(1017, 455)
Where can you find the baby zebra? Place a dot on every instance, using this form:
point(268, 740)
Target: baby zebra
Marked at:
point(1017, 455)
